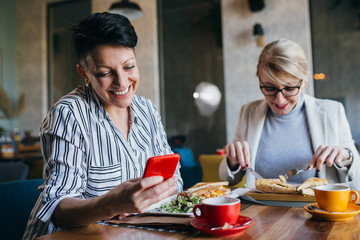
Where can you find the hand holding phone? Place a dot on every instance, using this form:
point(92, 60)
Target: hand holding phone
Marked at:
point(164, 166)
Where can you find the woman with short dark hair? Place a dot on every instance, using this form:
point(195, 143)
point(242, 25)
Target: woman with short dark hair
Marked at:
point(96, 140)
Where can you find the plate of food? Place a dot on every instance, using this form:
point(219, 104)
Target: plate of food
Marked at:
point(278, 190)
point(182, 204)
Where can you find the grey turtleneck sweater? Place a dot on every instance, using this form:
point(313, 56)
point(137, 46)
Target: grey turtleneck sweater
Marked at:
point(285, 143)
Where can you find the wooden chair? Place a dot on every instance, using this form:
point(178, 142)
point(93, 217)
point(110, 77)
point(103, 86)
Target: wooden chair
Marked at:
point(210, 168)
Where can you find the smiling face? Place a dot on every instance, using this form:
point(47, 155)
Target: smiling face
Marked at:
point(280, 104)
point(112, 71)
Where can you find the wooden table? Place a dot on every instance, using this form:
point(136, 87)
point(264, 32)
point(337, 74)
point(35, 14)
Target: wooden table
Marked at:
point(269, 223)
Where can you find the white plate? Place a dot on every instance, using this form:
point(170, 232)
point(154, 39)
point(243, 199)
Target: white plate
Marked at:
point(155, 208)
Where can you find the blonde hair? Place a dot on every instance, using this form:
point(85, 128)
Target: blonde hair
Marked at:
point(282, 57)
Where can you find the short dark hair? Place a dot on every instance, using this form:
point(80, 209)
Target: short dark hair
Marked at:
point(102, 29)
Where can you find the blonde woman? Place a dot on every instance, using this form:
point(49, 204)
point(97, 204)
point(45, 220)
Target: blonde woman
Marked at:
point(290, 129)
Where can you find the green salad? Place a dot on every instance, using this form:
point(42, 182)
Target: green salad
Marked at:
point(181, 204)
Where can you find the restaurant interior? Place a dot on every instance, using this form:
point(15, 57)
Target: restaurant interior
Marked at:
point(185, 48)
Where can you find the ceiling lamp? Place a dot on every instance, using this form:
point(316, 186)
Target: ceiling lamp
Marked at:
point(128, 9)
point(207, 98)
point(256, 5)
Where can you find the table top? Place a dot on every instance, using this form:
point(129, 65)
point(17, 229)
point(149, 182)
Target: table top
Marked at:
point(269, 223)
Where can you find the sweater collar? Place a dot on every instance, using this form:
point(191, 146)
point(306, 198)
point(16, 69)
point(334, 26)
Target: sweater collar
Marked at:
point(296, 110)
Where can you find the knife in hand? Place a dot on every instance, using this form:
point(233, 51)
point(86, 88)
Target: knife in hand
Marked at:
point(250, 169)
point(254, 173)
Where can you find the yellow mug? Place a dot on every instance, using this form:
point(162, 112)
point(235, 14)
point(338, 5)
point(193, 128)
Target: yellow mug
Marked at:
point(335, 198)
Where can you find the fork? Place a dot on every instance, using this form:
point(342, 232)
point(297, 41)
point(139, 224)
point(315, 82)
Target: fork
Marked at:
point(292, 173)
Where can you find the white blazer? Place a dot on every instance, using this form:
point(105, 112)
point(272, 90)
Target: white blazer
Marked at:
point(328, 126)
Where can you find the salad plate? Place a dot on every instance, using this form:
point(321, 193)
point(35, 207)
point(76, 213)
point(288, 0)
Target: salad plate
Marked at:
point(155, 209)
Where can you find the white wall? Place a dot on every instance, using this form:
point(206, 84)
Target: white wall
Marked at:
point(280, 19)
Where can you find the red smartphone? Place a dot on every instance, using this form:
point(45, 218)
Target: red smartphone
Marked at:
point(164, 166)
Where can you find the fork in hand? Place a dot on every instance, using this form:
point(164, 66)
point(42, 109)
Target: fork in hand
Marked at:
point(292, 173)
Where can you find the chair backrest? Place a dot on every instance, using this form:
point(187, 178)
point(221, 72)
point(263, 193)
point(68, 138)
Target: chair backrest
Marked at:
point(17, 199)
point(210, 168)
point(13, 171)
point(186, 157)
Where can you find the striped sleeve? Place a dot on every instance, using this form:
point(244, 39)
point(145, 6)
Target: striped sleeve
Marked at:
point(64, 151)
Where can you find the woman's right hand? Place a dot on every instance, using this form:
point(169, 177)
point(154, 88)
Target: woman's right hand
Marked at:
point(238, 153)
point(137, 195)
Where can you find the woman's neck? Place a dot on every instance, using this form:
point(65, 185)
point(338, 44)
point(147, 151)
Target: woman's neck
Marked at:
point(121, 119)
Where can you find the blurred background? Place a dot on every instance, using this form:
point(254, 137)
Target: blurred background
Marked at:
point(181, 45)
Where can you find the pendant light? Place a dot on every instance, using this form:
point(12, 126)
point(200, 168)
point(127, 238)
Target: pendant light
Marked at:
point(128, 9)
point(207, 98)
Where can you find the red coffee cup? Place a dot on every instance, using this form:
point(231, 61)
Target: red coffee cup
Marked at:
point(218, 211)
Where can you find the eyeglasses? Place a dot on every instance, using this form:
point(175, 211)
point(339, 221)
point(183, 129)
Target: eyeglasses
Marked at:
point(286, 91)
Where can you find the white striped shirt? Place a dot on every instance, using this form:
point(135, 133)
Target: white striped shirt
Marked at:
point(86, 155)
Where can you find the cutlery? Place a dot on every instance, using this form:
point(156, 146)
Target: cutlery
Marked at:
point(291, 173)
point(254, 173)
point(295, 171)
point(236, 226)
point(250, 169)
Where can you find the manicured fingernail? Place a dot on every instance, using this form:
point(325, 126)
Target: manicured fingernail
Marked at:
point(247, 165)
point(308, 167)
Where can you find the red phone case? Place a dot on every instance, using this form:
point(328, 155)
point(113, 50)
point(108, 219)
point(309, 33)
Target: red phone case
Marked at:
point(164, 166)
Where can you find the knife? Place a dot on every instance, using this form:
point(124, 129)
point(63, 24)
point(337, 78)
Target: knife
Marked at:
point(254, 173)
point(250, 169)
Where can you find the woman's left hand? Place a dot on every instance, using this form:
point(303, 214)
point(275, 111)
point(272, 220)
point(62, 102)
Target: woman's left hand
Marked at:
point(328, 155)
